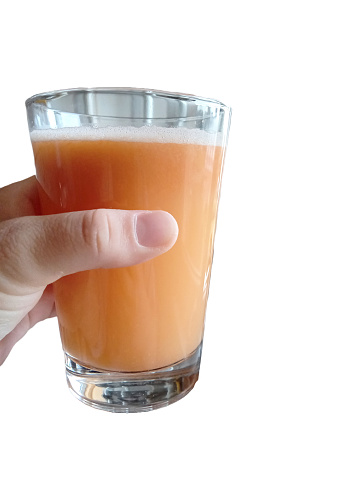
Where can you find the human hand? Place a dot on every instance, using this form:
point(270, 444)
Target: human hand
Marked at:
point(37, 250)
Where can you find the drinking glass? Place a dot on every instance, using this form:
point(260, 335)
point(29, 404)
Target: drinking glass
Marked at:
point(132, 336)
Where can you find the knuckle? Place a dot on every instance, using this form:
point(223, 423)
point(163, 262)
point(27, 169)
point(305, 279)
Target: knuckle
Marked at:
point(17, 250)
point(96, 231)
point(7, 232)
point(10, 237)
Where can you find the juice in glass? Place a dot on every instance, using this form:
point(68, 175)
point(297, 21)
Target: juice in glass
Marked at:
point(150, 315)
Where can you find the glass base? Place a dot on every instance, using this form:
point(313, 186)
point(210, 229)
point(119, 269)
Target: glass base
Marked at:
point(133, 392)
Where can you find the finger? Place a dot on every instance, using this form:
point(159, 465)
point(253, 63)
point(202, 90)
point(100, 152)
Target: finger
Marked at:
point(7, 342)
point(12, 332)
point(38, 250)
point(19, 199)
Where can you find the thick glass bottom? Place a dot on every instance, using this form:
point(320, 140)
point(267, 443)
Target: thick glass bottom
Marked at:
point(133, 392)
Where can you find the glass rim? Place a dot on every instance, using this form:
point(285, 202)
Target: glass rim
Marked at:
point(39, 99)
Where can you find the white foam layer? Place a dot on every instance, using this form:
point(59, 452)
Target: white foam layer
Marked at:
point(150, 134)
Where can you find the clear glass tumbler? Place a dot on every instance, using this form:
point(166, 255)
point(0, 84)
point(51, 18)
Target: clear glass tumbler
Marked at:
point(132, 336)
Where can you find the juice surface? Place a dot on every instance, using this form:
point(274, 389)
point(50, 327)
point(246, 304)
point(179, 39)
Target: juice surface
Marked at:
point(150, 315)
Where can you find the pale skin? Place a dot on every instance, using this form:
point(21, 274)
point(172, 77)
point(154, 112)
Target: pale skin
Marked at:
point(37, 250)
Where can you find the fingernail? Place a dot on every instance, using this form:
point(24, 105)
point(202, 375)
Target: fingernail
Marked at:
point(155, 229)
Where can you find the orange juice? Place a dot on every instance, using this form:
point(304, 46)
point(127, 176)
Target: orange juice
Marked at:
point(150, 315)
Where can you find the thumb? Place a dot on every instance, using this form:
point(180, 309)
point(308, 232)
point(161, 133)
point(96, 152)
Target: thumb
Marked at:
point(38, 250)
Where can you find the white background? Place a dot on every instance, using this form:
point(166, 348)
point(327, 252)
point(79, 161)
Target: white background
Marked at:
point(278, 394)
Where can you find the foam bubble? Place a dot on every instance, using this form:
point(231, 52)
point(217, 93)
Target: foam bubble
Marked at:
point(151, 134)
